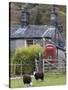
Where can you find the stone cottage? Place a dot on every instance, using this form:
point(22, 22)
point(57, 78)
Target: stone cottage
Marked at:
point(25, 34)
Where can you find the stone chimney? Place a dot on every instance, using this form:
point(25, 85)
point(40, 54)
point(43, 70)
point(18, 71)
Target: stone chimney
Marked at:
point(24, 17)
point(54, 16)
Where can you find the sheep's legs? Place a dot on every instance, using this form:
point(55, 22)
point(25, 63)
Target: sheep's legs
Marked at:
point(28, 85)
point(31, 84)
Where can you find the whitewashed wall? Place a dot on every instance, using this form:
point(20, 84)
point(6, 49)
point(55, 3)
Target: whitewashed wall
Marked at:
point(16, 44)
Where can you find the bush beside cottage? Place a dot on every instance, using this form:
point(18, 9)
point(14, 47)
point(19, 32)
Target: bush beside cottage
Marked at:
point(26, 58)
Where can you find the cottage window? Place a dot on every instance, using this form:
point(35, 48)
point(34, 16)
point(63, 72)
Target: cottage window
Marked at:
point(29, 42)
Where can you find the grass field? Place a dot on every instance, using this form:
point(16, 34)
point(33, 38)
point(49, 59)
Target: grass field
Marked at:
point(49, 80)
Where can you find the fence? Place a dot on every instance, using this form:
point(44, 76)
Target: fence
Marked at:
point(19, 69)
point(57, 66)
point(46, 65)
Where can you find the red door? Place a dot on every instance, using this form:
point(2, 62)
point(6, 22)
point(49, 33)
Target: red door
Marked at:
point(50, 49)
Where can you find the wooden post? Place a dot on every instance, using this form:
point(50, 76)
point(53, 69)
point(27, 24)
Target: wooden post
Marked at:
point(21, 70)
point(39, 62)
point(43, 65)
point(36, 63)
point(44, 49)
point(43, 43)
point(14, 68)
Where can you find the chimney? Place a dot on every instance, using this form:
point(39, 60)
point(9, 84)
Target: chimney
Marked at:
point(54, 16)
point(24, 18)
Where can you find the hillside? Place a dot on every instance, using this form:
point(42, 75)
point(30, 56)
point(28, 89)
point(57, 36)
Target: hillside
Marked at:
point(34, 9)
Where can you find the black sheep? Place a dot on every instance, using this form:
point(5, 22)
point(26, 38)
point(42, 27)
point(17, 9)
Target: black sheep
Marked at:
point(39, 75)
point(27, 79)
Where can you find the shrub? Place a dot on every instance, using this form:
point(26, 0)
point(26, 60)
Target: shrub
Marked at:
point(26, 57)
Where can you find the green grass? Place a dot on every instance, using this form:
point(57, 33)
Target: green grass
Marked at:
point(49, 80)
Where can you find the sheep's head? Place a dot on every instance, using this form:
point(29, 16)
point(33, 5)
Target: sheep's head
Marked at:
point(34, 73)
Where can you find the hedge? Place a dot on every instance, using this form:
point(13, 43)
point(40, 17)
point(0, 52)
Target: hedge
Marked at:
point(26, 57)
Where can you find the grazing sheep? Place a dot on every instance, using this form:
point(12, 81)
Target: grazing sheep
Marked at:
point(39, 75)
point(27, 80)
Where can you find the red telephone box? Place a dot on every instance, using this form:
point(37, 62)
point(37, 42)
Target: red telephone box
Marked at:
point(50, 48)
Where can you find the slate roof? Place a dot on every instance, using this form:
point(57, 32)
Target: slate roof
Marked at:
point(34, 31)
point(31, 31)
